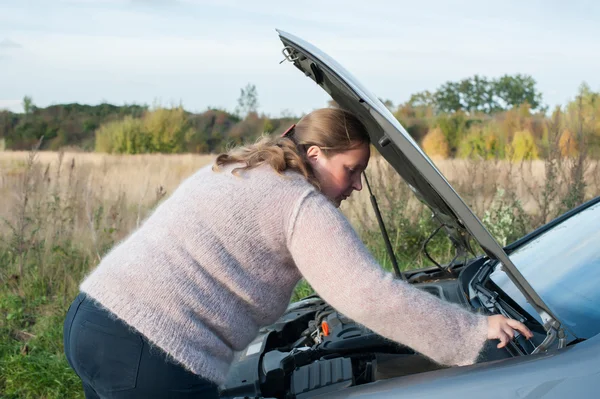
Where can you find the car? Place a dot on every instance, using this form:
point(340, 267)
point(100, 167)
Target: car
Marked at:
point(548, 280)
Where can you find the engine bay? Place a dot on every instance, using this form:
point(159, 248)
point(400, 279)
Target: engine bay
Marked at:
point(313, 349)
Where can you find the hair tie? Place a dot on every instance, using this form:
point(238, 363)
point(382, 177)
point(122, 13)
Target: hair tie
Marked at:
point(288, 130)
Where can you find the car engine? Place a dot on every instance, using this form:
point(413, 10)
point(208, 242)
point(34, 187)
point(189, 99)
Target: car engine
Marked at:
point(313, 349)
point(329, 352)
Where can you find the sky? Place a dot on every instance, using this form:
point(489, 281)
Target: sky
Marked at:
point(201, 53)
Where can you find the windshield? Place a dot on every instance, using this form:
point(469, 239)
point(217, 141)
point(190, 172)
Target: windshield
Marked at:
point(563, 267)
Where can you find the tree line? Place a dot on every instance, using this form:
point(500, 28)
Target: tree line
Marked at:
point(502, 117)
point(478, 94)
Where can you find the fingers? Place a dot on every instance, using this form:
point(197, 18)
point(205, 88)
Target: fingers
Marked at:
point(508, 331)
point(517, 325)
point(504, 339)
point(503, 329)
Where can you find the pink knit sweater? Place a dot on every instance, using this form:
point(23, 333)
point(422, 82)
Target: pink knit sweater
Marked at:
point(220, 258)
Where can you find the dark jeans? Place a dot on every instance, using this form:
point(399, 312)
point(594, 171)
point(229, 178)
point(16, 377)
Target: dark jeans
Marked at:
point(113, 361)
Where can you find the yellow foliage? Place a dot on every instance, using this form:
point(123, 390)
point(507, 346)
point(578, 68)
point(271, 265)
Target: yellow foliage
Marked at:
point(472, 146)
point(162, 130)
point(510, 123)
point(124, 136)
point(516, 119)
point(435, 144)
point(522, 147)
point(482, 142)
point(493, 146)
point(167, 128)
point(524, 110)
point(567, 144)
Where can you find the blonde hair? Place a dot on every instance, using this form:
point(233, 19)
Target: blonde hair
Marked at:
point(333, 130)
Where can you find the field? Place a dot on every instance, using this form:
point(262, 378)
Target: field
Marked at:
point(60, 212)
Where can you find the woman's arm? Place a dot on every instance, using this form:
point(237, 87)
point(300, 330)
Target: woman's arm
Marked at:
point(333, 259)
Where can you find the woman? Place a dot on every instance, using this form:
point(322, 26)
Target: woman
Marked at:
point(164, 311)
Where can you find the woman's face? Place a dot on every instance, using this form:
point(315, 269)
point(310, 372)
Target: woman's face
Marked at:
point(339, 174)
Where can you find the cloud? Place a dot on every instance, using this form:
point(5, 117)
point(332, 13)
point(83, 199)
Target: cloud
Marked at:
point(7, 43)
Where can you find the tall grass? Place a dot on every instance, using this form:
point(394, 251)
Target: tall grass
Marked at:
point(61, 212)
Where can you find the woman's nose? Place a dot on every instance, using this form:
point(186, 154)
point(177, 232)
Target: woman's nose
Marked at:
point(357, 184)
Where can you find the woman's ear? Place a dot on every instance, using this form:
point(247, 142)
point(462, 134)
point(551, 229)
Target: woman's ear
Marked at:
point(313, 153)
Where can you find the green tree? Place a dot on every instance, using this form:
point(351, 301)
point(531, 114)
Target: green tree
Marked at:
point(28, 105)
point(478, 94)
point(515, 90)
point(448, 98)
point(422, 99)
point(248, 101)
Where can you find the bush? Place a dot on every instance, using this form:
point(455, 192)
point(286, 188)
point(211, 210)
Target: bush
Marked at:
point(162, 130)
point(208, 130)
point(482, 142)
point(567, 144)
point(167, 129)
point(522, 147)
point(453, 126)
point(493, 146)
point(473, 146)
point(126, 136)
point(505, 219)
point(435, 144)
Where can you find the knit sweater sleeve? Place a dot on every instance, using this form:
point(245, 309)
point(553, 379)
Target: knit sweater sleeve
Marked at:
point(333, 259)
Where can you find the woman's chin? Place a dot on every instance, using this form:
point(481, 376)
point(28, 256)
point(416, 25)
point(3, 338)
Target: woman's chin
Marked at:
point(337, 201)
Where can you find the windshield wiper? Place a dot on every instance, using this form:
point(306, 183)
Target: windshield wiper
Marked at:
point(491, 299)
point(494, 303)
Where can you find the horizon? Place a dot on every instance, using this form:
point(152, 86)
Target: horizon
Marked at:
point(201, 53)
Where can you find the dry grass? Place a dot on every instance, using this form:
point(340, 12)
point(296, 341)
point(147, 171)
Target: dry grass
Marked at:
point(94, 200)
point(478, 183)
point(139, 180)
point(88, 200)
point(109, 176)
point(100, 178)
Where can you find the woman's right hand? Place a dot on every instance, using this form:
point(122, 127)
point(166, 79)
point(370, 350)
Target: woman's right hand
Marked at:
point(503, 329)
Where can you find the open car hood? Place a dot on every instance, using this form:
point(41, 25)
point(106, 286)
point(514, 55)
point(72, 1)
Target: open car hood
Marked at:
point(407, 158)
